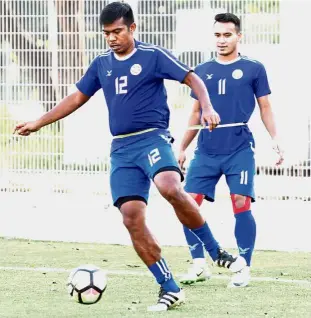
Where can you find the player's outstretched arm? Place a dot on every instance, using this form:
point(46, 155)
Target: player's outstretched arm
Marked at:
point(268, 119)
point(209, 115)
point(67, 106)
point(189, 134)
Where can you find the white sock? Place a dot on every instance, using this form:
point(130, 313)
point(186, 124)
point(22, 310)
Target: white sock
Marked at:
point(199, 262)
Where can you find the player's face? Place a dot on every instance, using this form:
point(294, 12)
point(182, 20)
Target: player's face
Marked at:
point(119, 36)
point(226, 37)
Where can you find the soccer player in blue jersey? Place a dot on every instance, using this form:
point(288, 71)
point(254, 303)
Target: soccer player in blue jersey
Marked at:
point(131, 75)
point(234, 83)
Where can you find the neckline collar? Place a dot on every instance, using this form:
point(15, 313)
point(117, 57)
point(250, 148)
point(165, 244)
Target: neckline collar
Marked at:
point(126, 57)
point(228, 62)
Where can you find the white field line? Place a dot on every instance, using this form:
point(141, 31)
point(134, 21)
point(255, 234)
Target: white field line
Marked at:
point(305, 283)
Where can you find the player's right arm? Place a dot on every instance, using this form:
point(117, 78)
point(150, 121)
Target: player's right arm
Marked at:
point(195, 118)
point(87, 86)
point(67, 106)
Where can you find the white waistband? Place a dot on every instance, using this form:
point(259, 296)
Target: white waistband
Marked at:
point(134, 133)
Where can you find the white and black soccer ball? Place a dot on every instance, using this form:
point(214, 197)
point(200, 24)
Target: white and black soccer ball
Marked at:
point(86, 284)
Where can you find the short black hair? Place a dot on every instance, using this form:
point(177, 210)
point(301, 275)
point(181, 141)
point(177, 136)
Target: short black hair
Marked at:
point(229, 17)
point(115, 11)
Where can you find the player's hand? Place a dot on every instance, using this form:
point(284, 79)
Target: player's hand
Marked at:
point(210, 117)
point(25, 129)
point(181, 161)
point(276, 145)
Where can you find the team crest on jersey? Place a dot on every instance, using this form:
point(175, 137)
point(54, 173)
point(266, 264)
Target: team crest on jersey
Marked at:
point(136, 69)
point(237, 74)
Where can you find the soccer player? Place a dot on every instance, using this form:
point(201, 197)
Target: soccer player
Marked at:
point(233, 82)
point(131, 75)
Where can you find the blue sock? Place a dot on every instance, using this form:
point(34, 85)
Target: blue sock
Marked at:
point(195, 245)
point(205, 235)
point(163, 276)
point(245, 234)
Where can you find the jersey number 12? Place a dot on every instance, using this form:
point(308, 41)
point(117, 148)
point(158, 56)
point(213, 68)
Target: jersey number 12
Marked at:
point(121, 85)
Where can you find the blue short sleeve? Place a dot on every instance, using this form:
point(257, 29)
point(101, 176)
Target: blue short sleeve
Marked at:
point(192, 94)
point(89, 83)
point(260, 83)
point(169, 67)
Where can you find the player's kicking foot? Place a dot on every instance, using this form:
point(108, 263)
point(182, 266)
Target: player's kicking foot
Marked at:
point(233, 263)
point(241, 278)
point(168, 300)
point(196, 274)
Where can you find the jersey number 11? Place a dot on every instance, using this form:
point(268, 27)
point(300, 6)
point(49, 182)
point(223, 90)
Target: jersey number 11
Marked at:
point(222, 87)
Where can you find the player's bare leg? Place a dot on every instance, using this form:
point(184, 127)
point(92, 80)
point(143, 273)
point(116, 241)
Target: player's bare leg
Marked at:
point(144, 243)
point(187, 211)
point(149, 251)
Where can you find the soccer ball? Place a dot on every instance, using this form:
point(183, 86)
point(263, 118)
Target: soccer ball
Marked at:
point(86, 284)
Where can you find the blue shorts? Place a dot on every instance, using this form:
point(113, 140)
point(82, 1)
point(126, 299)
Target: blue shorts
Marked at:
point(205, 171)
point(134, 165)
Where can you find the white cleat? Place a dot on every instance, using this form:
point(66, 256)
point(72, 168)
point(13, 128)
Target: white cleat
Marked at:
point(233, 263)
point(196, 274)
point(240, 279)
point(168, 300)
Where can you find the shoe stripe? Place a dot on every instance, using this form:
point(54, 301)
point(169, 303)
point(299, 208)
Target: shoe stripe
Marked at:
point(172, 295)
point(171, 298)
point(165, 302)
point(224, 263)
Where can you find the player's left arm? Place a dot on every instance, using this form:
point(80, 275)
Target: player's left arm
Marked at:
point(267, 115)
point(268, 119)
point(209, 115)
point(262, 92)
point(169, 67)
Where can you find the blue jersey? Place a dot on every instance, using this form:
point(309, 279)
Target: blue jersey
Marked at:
point(233, 88)
point(134, 87)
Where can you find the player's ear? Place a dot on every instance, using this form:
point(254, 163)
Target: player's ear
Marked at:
point(239, 36)
point(132, 27)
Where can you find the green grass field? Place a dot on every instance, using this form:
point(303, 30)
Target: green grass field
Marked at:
point(281, 288)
